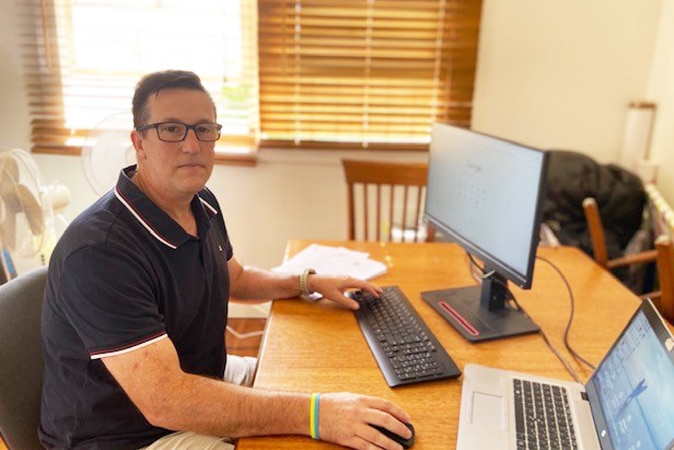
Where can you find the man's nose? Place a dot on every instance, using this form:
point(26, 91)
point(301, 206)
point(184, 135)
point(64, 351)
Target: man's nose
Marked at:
point(191, 143)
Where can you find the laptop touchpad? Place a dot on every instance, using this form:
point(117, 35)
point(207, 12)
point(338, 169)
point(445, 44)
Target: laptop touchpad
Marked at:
point(489, 411)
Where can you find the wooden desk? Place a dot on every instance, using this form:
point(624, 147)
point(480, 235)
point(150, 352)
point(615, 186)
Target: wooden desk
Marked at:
point(319, 347)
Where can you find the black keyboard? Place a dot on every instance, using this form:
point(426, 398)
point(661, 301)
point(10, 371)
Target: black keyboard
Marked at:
point(542, 416)
point(405, 349)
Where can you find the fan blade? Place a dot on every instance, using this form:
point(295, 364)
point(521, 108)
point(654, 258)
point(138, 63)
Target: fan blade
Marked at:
point(9, 175)
point(32, 208)
point(9, 166)
point(8, 230)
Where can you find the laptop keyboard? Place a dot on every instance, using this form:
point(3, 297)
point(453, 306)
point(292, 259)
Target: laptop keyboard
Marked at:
point(405, 349)
point(542, 416)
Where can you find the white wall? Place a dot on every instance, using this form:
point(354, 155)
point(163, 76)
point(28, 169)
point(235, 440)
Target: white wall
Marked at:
point(550, 74)
point(661, 89)
point(561, 74)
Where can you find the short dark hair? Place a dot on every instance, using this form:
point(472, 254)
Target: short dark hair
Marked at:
point(154, 83)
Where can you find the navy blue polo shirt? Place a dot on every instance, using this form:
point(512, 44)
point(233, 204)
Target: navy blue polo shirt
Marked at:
point(122, 276)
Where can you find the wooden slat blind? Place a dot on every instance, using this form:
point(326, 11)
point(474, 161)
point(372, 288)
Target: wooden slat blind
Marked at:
point(365, 73)
point(84, 57)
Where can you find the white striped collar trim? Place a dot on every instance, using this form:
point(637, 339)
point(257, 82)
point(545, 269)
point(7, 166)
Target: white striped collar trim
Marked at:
point(142, 221)
point(208, 206)
point(129, 349)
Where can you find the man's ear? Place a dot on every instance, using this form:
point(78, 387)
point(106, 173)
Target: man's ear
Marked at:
point(137, 141)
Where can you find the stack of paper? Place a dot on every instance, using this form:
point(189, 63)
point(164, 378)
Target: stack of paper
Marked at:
point(327, 260)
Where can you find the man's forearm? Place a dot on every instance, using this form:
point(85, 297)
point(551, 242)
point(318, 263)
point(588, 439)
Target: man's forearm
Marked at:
point(172, 399)
point(217, 408)
point(252, 283)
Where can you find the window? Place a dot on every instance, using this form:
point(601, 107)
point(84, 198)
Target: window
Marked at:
point(87, 56)
point(367, 74)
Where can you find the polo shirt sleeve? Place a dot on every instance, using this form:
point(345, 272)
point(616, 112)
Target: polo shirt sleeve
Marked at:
point(108, 298)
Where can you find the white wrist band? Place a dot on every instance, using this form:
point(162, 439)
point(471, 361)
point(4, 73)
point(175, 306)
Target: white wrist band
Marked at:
point(305, 292)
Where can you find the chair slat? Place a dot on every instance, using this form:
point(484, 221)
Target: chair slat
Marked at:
point(665, 264)
point(393, 185)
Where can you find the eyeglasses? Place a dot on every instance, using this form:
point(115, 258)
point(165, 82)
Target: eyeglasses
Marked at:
point(177, 132)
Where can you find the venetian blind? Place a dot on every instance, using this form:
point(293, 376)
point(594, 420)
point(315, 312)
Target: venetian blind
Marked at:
point(365, 73)
point(84, 57)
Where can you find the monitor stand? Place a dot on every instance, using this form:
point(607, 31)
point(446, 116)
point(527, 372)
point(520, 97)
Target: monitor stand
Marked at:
point(480, 313)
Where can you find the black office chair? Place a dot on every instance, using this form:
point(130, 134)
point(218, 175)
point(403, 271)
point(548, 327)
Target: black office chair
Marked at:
point(21, 362)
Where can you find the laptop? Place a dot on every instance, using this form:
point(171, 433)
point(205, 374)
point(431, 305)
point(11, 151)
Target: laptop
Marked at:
point(628, 402)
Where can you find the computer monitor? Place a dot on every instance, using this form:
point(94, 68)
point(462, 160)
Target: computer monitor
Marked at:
point(486, 194)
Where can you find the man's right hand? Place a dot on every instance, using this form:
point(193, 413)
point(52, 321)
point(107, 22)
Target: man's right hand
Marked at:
point(347, 419)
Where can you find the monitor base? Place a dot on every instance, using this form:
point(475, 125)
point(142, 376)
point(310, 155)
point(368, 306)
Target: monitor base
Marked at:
point(461, 308)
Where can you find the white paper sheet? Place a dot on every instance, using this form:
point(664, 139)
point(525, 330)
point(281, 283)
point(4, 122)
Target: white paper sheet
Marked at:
point(326, 260)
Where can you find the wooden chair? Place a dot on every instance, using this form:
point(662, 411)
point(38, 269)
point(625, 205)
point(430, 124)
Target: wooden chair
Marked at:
point(386, 200)
point(665, 264)
point(662, 255)
point(599, 251)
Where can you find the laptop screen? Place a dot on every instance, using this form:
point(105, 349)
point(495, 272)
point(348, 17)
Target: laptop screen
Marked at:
point(632, 390)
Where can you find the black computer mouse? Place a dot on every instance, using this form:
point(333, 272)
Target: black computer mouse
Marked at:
point(406, 443)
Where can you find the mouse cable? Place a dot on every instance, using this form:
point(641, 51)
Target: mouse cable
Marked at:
point(572, 302)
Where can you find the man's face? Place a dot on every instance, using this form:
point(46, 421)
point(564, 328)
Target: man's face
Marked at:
point(176, 169)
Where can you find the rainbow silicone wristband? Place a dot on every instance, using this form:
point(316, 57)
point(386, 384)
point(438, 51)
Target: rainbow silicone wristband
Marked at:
point(313, 415)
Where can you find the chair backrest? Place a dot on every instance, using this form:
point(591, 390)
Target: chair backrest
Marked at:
point(21, 362)
point(665, 264)
point(386, 200)
point(597, 237)
point(663, 255)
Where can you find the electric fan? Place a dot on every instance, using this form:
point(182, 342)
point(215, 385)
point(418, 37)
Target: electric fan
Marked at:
point(27, 211)
point(107, 149)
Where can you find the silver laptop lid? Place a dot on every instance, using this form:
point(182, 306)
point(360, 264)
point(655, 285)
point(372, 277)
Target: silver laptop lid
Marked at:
point(632, 391)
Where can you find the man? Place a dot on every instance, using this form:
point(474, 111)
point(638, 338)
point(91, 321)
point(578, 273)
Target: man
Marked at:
point(136, 304)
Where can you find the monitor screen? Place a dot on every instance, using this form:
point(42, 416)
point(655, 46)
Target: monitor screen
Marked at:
point(486, 194)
